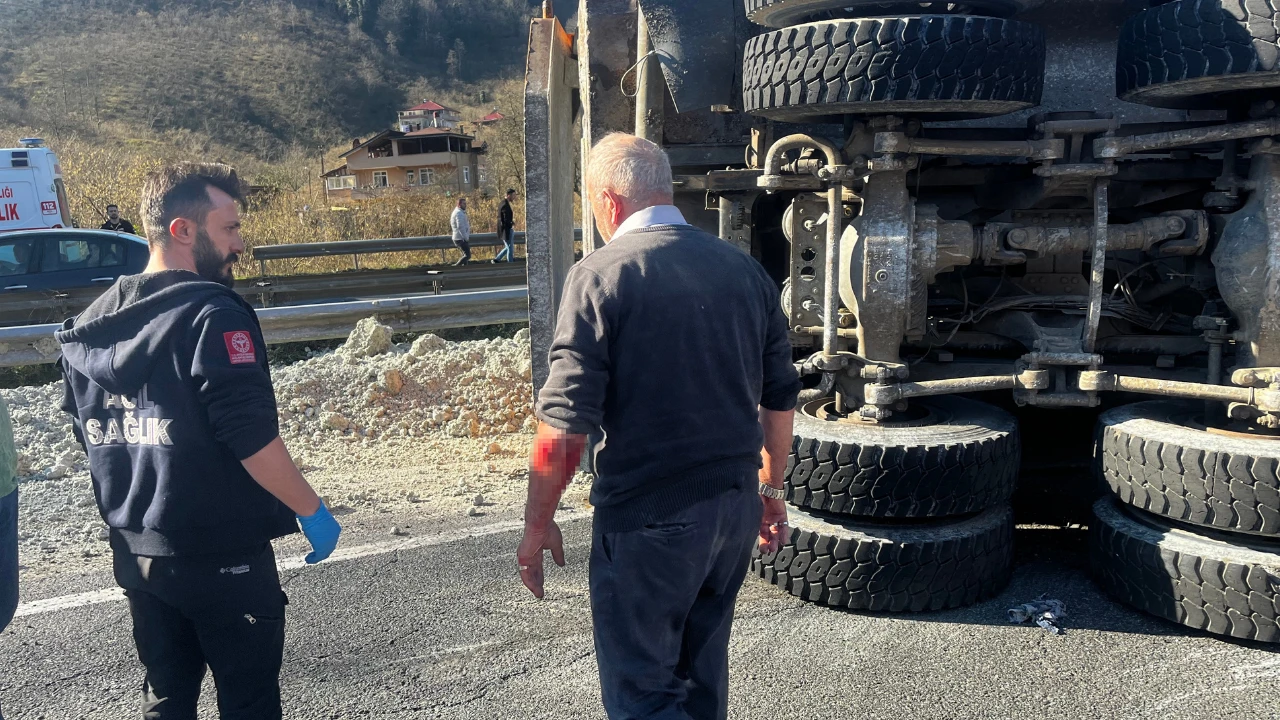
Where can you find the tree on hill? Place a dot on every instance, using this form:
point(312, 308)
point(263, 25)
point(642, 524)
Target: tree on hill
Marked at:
point(257, 76)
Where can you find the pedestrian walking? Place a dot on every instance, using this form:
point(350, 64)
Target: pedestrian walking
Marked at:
point(506, 229)
point(169, 391)
point(461, 226)
point(673, 343)
point(115, 223)
point(8, 522)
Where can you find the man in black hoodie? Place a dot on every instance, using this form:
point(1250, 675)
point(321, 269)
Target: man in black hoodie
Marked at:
point(167, 382)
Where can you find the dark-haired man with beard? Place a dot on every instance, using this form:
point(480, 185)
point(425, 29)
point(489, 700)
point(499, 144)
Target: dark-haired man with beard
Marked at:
point(168, 386)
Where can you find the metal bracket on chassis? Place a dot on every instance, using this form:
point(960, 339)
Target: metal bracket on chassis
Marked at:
point(877, 257)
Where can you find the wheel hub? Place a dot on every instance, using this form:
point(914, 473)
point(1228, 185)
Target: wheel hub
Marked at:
point(1233, 429)
point(917, 414)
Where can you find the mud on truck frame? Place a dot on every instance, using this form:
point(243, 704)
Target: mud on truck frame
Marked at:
point(1061, 215)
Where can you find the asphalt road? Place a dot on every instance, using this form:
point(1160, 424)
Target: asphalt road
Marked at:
point(442, 628)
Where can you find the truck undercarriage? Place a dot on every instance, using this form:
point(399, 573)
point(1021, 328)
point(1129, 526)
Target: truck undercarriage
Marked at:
point(1072, 209)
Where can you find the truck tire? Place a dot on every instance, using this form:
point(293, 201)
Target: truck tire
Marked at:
point(964, 460)
point(782, 13)
point(1200, 53)
point(948, 65)
point(1225, 586)
point(869, 566)
point(1154, 458)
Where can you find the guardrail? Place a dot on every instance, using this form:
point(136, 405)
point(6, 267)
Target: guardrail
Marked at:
point(34, 344)
point(365, 247)
point(270, 291)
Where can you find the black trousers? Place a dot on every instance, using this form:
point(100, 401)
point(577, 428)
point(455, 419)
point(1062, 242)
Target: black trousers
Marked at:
point(662, 602)
point(223, 612)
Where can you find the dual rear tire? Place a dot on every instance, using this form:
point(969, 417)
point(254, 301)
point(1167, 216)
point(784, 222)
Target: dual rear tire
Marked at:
point(828, 58)
point(1191, 531)
point(906, 516)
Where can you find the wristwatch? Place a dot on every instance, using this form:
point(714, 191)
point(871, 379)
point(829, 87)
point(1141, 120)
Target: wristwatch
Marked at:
point(772, 492)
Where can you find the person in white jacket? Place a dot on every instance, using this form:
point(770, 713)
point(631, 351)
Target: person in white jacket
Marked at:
point(461, 226)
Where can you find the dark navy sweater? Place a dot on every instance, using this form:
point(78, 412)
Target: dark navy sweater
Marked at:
point(167, 382)
point(670, 340)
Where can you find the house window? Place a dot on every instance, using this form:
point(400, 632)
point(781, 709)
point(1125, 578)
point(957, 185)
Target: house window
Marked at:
point(466, 175)
point(341, 182)
point(411, 177)
point(426, 176)
point(380, 178)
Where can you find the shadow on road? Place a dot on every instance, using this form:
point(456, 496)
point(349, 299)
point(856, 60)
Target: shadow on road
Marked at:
point(1054, 562)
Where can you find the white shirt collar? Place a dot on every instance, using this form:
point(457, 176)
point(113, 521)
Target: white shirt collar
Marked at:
point(648, 217)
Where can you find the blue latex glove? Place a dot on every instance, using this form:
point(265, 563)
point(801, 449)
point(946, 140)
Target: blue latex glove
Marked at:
point(322, 532)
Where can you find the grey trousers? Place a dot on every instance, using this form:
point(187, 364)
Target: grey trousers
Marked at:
point(662, 601)
point(464, 246)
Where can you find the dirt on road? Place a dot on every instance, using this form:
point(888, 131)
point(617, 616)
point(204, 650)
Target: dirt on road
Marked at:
point(431, 429)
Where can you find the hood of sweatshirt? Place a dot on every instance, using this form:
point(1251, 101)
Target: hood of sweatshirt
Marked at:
point(116, 340)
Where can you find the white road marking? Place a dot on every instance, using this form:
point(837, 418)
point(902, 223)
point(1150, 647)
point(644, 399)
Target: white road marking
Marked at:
point(39, 607)
point(96, 597)
point(1270, 668)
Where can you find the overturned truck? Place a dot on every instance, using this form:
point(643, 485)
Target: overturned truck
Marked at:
point(1030, 254)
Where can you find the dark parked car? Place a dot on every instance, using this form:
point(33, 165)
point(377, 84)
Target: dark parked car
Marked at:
point(48, 275)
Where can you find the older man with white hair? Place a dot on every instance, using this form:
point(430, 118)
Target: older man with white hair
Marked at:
point(673, 343)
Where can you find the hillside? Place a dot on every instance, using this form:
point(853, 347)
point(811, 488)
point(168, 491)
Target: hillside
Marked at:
point(250, 78)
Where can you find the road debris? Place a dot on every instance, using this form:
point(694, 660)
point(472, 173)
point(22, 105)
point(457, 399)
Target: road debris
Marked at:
point(373, 428)
point(1043, 611)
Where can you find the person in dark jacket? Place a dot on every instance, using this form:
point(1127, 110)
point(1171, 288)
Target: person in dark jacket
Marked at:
point(169, 391)
point(115, 223)
point(507, 229)
point(673, 342)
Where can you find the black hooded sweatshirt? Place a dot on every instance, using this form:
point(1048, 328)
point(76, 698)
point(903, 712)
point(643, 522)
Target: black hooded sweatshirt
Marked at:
point(167, 380)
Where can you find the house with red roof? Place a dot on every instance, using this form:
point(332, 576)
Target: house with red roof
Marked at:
point(428, 150)
point(428, 114)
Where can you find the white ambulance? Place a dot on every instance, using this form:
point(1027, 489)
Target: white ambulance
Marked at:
point(32, 196)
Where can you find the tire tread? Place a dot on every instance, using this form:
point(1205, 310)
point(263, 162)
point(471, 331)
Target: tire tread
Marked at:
point(1201, 582)
point(919, 479)
point(928, 567)
point(1217, 488)
point(1187, 40)
point(922, 60)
